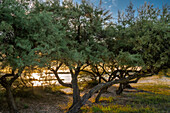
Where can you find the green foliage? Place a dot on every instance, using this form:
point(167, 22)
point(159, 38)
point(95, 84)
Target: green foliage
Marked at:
point(74, 33)
point(142, 39)
point(125, 58)
point(152, 40)
point(27, 37)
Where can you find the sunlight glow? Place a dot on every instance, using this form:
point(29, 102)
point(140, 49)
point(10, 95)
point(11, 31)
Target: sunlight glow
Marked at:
point(46, 79)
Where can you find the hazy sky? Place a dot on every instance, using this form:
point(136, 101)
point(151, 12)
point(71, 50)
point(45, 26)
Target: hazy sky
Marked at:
point(115, 5)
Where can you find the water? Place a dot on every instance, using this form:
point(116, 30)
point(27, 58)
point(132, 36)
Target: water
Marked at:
point(48, 79)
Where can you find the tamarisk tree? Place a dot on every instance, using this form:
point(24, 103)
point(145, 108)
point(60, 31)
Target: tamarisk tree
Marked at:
point(25, 39)
point(83, 34)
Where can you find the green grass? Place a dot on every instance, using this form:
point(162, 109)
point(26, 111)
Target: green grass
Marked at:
point(110, 108)
point(107, 99)
point(154, 99)
point(155, 88)
point(157, 101)
point(157, 97)
point(54, 89)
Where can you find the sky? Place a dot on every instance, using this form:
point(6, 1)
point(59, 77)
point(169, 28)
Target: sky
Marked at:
point(115, 5)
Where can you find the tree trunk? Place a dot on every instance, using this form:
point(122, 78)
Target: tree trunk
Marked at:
point(120, 89)
point(7, 85)
point(76, 92)
point(98, 96)
point(100, 93)
point(10, 99)
point(127, 86)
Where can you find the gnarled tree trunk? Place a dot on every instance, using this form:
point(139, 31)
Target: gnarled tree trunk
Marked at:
point(7, 85)
point(9, 96)
point(100, 93)
point(76, 91)
point(10, 99)
point(120, 89)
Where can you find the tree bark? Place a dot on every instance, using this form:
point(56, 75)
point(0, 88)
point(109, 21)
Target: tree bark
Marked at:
point(100, 79)
point(98, 96)
point(127, 86)
point(100, 93)
point(10, 99)
point(7, 85)
point(76, 92)
point(120, 89)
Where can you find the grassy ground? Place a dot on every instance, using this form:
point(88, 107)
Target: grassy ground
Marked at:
point(145, 98)
point(151, 95)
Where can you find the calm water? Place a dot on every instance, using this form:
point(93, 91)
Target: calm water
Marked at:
point(46, 79)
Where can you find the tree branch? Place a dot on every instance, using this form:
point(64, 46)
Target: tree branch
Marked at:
point(16, 76)
point(89, 73)
point(59, 80)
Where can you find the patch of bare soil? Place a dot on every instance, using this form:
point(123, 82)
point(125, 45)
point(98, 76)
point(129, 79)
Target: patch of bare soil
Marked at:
point(48, 103)
point(42, 102)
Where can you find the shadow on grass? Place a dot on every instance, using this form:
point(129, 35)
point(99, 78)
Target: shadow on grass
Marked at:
point(148, 98)
point(130, 90)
